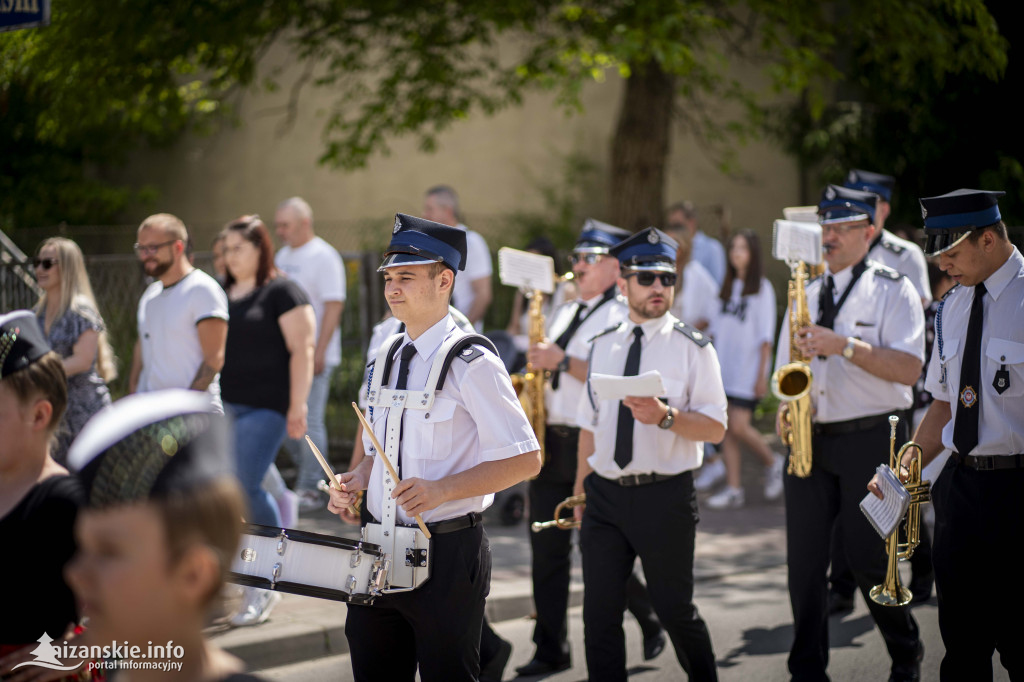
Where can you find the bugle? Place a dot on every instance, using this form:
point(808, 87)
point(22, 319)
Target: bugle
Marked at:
point(891, 592)
point(560, 522)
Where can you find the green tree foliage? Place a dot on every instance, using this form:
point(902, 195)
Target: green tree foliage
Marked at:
point(105, 77)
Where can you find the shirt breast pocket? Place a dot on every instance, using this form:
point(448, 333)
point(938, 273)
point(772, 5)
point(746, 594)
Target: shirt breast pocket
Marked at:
point(867, 331)
point(1004, 368)
point(949, 362)
point(432, 430)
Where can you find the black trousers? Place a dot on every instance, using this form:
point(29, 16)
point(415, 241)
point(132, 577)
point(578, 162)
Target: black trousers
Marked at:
point(436, 627)
point(551, 551)
point(658, 523)
point(978, 518)
point(842, 467)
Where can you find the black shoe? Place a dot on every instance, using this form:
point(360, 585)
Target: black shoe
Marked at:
point(494, 669)
point(908, 672)
point(921, 588)
point(539, 667)
point(654, 645)
point(839, 604)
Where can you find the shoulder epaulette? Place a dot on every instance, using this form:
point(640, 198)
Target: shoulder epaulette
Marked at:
point(470, 354)
point(895, 247)
point(609, 330)
point(692, 333)
point(886, 272)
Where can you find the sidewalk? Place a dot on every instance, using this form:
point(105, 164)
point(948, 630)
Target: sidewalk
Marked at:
point(302, 628)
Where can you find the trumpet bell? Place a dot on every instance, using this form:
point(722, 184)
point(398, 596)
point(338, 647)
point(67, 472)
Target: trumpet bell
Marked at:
point(891, 595)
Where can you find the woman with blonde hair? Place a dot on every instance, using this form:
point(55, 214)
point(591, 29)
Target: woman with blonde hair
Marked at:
point(70, 319)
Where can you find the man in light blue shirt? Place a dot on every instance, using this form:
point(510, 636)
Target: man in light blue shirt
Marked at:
point(706, 250)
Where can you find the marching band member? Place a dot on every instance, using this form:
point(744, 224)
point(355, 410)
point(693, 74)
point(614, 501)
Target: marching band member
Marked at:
point(906, 258)
point(161, 524)
point(635, 465)
point(976, 379)
point(572, 326)
point(474, 441)
point(867, 349)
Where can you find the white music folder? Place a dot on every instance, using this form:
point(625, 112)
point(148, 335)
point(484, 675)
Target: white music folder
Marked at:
point(615, 387)
point(885, 514)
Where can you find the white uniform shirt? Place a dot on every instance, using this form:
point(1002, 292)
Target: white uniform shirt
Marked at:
point(1001, 422)
point(478, 265)
point(693, 383)
point(740, 327)
point(319, 270)
point(881, 311)
point(475, 418)
point(167, 319)
point(561, 405)
point(906, 258)
point(698, 298)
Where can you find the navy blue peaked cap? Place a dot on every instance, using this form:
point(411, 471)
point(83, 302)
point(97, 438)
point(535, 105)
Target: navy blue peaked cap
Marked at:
point(866, 181)
point(649, 249)
point(842, 205)
point(21, 342)
point(598, 237)
point(949, 218)
point(416, 241)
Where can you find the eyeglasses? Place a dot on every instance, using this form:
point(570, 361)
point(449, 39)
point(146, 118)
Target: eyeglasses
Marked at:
point(150, 249)
point(44, 263)
point(588, 258)
point(646, 279)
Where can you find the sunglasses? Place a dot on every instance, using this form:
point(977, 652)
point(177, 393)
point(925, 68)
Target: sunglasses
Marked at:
point(150, 249)
point(588, 258)
point(646, 279)
point(44, 263)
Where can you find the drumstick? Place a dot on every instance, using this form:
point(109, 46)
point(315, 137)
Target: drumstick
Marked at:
point(391, 470)
point(330, 472)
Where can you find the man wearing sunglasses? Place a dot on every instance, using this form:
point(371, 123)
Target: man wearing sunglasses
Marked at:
point(636, 462)
point(867, 348)
point(182, 316)
point(564, 354)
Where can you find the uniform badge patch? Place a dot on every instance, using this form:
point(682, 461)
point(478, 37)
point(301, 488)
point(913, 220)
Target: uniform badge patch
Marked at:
point(398, 225)
point(968, 396)
point(652, 237)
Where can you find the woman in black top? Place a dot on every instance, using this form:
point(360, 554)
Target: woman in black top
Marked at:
point(38, 499)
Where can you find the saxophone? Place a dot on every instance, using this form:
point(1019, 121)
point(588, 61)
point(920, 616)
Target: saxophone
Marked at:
point(530, 384)
point(791, 383)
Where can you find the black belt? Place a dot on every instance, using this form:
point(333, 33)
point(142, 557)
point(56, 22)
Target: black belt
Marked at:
point(989, 462)
point(450, 525)
point(562, 431)
point(852, 425)
point(634, 480)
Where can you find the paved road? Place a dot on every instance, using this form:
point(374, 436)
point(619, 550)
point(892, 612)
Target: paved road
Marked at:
point(751, 626)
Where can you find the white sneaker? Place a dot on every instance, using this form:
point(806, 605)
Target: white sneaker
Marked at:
point(256, 607)
point(727, 498)
point(711, 474)
point(773, 478)
point(310, 501)
point(288, 507)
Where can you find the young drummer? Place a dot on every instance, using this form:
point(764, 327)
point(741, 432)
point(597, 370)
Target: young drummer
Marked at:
point(163, 519)
point(474, 441)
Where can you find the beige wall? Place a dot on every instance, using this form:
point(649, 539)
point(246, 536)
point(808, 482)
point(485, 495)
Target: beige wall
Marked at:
point(494, 163)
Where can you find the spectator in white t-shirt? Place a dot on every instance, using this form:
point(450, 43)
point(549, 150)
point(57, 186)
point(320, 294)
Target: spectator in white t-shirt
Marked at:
point(743, 328)
point(472, 293)
point(182, 316)
point(319, 270)
point(705, 250)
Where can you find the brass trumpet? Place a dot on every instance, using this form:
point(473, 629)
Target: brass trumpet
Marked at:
point(566, 523)
point(891, 593)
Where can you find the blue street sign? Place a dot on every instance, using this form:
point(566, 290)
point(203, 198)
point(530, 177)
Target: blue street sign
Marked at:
point(16, 14)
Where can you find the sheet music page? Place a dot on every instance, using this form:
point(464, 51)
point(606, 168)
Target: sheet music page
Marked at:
point(612, 387)
point(526, 270)
point(886, 514)
point(796, 241)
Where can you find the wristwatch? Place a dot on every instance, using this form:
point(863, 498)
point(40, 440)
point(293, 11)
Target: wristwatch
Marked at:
point(563, 365)
point(669, 420)
point(849, 348)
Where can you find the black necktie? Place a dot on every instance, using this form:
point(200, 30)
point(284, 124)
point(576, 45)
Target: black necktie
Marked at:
point(403, 378)
point(827, 303)
point(624, 430)
point(563, 340)
point(965, 430)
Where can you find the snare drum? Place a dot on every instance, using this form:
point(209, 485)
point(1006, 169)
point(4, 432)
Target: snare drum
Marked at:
point(309, 564)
